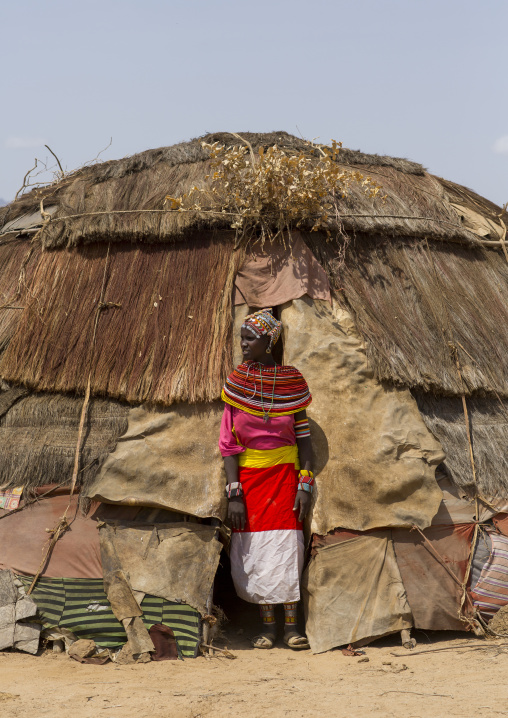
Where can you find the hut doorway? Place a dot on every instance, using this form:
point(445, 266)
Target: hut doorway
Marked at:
point(239, 616)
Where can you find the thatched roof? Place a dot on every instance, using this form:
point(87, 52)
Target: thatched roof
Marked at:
point(414, 298)
point(124, 199)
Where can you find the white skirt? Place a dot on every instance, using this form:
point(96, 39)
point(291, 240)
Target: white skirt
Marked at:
point(266, 566)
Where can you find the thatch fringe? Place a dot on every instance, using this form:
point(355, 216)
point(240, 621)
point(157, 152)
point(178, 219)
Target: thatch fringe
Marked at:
point(38, 437)
point(488, 417)
point(18, 259)
point(414, 304)
point(186, 153)
point(124, 199)
point(164, 334)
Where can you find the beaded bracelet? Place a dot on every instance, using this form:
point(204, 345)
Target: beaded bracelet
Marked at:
point(305, 481)
point(233, 490)
point(302, 429)
point(305, 487)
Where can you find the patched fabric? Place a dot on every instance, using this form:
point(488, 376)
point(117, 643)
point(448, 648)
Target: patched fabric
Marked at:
point(491, 591)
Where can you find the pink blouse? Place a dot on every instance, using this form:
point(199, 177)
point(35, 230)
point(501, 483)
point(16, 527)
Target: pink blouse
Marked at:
point(253, 432)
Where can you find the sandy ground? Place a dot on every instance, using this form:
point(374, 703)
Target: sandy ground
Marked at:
point(457, 682)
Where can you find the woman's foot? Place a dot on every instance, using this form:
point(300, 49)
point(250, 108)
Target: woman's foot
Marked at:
point(294, 640)
point(264, 640)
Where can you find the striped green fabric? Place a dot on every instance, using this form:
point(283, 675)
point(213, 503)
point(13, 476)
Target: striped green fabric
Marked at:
point(80, 605)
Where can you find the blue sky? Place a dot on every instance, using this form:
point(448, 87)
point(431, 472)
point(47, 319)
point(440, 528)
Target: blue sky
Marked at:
point(414, 78)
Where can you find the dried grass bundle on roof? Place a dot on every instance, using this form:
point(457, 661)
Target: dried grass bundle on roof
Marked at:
point(269, 193)
point(164, 334)
point(38, 437)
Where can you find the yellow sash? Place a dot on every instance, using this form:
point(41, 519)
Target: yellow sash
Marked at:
point(264, 458)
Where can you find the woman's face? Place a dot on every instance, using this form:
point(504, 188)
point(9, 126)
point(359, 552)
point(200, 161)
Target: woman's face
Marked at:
point(253, 349)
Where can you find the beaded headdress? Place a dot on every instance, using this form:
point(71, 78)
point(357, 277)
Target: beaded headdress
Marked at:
point(263, 322)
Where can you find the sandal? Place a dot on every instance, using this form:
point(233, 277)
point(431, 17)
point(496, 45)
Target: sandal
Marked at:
point(297, 642)
point(263, 640)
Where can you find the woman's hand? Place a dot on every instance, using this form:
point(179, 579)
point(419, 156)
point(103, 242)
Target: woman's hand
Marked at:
point(236, 512)
point(303, 498)
point(302, 504)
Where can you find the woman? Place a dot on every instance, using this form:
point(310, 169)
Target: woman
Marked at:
point(265, 442)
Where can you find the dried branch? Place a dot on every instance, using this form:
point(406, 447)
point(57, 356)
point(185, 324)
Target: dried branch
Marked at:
point(43, 168)
point(252, 156)
point(222, 651)
point(25, 185)
point(96, 158)
point(56, 158)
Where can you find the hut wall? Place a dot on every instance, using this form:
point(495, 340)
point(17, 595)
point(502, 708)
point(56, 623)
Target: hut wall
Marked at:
point(168, 459)
point(386, 580)
point(353, 591)
point(434, 596)
point(375, 458)
point(39, 434)
point(175, 561)
point(488, 424)
point(24, 538)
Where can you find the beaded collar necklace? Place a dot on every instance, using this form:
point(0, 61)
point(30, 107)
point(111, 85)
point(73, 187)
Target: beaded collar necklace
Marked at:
point(266, 412)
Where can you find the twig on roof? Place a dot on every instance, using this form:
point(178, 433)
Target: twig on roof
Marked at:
point(252, 156)
point(95, 159)
point(24, 185)
point(56, 158)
